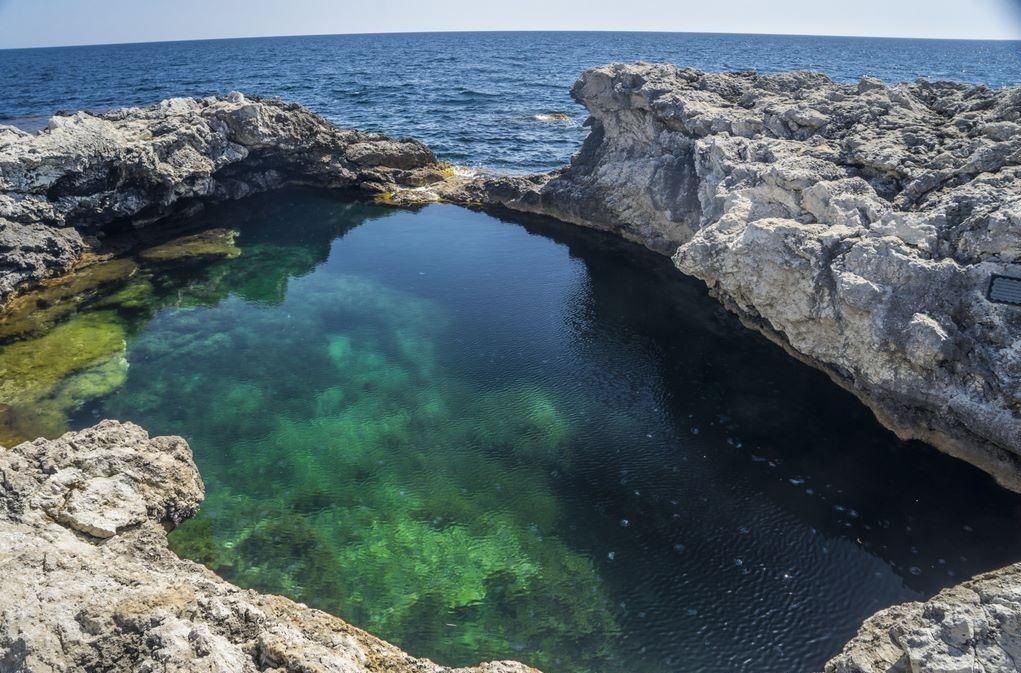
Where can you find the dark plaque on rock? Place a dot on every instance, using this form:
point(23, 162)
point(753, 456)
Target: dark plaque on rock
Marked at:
point(1005, 290)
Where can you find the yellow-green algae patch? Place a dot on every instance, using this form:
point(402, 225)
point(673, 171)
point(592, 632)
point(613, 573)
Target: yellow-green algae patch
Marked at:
point(42, 308)
point(43, 378)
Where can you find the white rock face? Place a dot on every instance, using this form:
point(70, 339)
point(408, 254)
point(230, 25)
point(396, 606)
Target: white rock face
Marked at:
point(974, 627)
point(857, 226)
point(88, 583)
point(64, 186)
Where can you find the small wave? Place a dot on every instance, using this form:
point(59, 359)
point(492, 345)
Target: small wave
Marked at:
point(553, 117)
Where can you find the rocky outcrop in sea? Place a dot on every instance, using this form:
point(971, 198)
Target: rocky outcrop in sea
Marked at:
point(87, 175)
point(90, 585)
point(858, 226)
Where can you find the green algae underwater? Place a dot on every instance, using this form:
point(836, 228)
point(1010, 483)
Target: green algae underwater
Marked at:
point(483, 440)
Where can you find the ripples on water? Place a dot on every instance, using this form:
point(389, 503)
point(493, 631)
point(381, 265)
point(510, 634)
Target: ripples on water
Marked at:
point(487, 440)
point(472, 97)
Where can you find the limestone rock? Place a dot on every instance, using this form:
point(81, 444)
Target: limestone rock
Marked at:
point(89, 583)
point(85, 171)
point(974, 627)
point(858, 226)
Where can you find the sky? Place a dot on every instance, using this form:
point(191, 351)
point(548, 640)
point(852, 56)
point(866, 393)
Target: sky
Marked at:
point(36, 23)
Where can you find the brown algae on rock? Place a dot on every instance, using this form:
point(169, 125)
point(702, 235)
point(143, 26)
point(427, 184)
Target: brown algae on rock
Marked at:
point(203, 246)
point(58, 298)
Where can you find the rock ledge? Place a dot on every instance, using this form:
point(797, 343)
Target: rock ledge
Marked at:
point(858, 226)
point(63, 188)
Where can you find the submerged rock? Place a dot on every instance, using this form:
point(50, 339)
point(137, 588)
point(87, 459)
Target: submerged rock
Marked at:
point(37, 311)
point(44, 378)
point(201, 247)
point(89, 583)
point(86, 171)
point(858, 226)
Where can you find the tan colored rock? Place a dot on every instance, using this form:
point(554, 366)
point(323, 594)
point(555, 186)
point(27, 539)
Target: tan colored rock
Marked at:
point(89, 583)
point(974, 627)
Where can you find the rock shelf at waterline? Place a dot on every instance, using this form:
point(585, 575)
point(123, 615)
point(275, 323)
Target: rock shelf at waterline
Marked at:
point(858, 226)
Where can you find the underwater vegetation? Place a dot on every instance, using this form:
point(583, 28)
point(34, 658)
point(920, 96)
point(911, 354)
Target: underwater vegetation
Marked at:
point(63, 344)
point(484, 440)
point(352, 474)
point(345, 467)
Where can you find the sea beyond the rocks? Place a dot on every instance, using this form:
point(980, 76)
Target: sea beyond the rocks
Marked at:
point(485, 99)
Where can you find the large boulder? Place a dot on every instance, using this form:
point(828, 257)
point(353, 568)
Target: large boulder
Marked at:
point(974, 627)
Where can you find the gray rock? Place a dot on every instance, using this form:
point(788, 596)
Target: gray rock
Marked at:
point(89, 583)
point(974, 627)
point(856, 226)
point(86, 171)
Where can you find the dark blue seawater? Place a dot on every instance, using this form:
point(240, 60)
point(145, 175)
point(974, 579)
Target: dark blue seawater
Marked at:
point(472, 97)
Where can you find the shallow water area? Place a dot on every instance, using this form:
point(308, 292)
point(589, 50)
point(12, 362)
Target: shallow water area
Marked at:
point(482, 438)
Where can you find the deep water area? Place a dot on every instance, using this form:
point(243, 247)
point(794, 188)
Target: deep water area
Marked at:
point(482, 436)
point(498, 100)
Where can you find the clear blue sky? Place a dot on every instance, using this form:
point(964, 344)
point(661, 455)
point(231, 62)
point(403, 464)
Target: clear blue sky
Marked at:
point(32, 23)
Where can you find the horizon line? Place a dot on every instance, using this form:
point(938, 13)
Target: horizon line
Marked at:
point(526, 30)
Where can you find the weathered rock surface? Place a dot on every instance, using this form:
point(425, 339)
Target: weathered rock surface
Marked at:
point(858, 226)
point(73, 180)
point(974, 627)
point(90, 585)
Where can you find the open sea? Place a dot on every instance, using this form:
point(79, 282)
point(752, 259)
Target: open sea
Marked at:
point(475, 98)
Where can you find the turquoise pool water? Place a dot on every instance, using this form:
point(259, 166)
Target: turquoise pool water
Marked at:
point(482, 438)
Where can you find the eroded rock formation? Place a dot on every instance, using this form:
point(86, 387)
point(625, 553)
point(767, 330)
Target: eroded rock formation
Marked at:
point(974, 626)
point(84, 173)
point(856, 225)
point(90, 585)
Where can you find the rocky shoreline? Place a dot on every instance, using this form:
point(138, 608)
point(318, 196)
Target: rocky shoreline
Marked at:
point(859, 227)
point(87, 175)
point(856, 226)
point(90, 584)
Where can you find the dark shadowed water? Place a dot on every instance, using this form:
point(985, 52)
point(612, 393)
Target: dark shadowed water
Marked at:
point(482, 439)
point(475, 98)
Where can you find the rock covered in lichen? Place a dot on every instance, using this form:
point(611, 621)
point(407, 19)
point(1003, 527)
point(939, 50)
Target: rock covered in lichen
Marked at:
point(856, 225)
point(89, 583)
point(87, 170)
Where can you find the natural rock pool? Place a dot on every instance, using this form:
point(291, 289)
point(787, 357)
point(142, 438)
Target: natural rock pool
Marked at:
point(486, 439)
